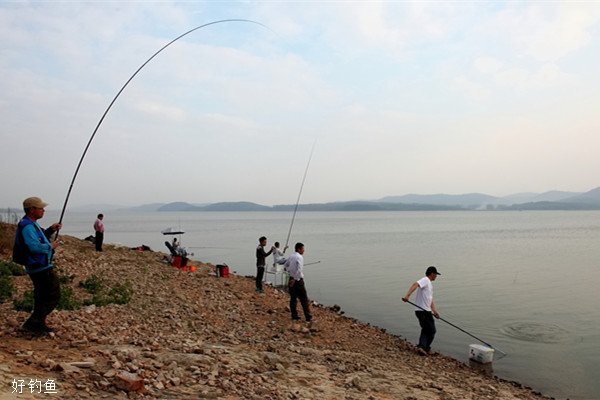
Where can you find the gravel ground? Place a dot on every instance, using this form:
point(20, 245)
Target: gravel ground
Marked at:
point(191, 335)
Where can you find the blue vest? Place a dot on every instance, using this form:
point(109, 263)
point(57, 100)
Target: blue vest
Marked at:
point(34, 262)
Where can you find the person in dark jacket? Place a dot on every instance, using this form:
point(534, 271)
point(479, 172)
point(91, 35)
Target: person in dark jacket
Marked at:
point(261, 261)
point(36, 250)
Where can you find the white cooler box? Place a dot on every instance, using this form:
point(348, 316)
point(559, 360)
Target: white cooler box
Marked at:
point(481, 354)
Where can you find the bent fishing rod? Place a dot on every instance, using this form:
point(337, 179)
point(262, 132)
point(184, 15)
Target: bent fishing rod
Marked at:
point(62, 213)
point(287, 240)
point(460, 329)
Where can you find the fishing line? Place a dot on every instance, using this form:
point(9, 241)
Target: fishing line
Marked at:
point(461, 329)
point(312, 263)
point(300, 194)
point(212, 247)
point(62, 213)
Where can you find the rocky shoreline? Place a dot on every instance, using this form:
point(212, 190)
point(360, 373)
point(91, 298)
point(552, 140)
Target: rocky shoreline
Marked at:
point(191, 335)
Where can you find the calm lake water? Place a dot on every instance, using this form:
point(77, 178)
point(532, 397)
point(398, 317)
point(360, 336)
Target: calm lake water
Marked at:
point(526, 282)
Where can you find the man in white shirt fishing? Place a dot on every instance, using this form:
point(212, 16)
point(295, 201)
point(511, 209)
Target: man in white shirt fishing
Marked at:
point(426, 308)
point(277, 255)
point(293, 266)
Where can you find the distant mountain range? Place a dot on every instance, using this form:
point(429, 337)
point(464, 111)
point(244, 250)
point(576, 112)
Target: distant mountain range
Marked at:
point(553, 200)
point(476, 200)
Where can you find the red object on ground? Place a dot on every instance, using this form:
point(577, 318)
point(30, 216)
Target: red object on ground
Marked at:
point(179, 262)
point(176, 261)
point(222, 271)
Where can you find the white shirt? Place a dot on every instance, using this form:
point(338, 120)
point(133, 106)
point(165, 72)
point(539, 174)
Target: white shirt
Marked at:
point(277, 255)
point(424, 294)
point(294, 265)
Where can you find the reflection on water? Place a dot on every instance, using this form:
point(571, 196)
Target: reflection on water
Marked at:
point(485, 369)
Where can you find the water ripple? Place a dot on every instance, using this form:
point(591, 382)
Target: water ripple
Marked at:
point(536, 332)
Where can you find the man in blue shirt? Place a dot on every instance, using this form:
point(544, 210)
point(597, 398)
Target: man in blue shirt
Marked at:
point(35, 250)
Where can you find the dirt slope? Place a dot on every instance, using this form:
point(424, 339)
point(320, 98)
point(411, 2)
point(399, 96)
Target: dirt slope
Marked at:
point(191, 335)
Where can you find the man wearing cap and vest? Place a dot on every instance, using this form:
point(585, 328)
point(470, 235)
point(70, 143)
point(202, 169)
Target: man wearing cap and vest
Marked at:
point(34, 250)
point(426, 308)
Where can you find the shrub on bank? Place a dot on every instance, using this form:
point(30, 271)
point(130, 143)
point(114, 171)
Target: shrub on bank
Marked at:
point(6, 288)
point(102, 294)
point(25, 303)
point(67, 300)
point(92, 285)
point(8, 269)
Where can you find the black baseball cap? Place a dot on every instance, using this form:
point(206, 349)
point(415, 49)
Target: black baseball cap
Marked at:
point(432, 270)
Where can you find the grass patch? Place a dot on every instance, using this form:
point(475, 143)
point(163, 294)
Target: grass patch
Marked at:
point(102, 294)
point(8, 269)
point(67, 299)
point(121, 294)
point(92, 285)
point(66, 279)
point(25, 303)
point(11, 268)
point(6, 288)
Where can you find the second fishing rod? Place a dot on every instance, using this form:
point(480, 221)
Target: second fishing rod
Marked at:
point(287, 240)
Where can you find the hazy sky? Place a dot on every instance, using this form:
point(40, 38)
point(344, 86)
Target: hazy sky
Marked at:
point(402, 97)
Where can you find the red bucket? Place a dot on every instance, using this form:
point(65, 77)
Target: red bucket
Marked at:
point(179, 262)
point(222, 271)
point(176, 261)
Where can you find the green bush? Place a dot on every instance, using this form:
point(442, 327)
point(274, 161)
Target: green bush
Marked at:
point(6, 288)
point(121, 294)
point(98, 299)
point(101, 294)
point(66, 279)
point(11, 268)
point(26, 303)
point(92, 285)
point(7, 270)
point(67, 299)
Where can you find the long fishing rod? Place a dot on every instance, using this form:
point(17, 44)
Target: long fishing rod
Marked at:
point(460, 329)
point(313, 263)
point(287, 240)
point(62, 213)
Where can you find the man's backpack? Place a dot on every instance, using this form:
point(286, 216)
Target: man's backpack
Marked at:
point(19, 254)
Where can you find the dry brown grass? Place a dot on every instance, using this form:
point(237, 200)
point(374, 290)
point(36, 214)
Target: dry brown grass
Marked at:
point(7, 239)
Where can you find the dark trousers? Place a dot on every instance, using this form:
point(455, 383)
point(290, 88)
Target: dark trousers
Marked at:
point(298, 292)
point(46, 294)
point(427, 329)
point(99, 240)
point(260, 273)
